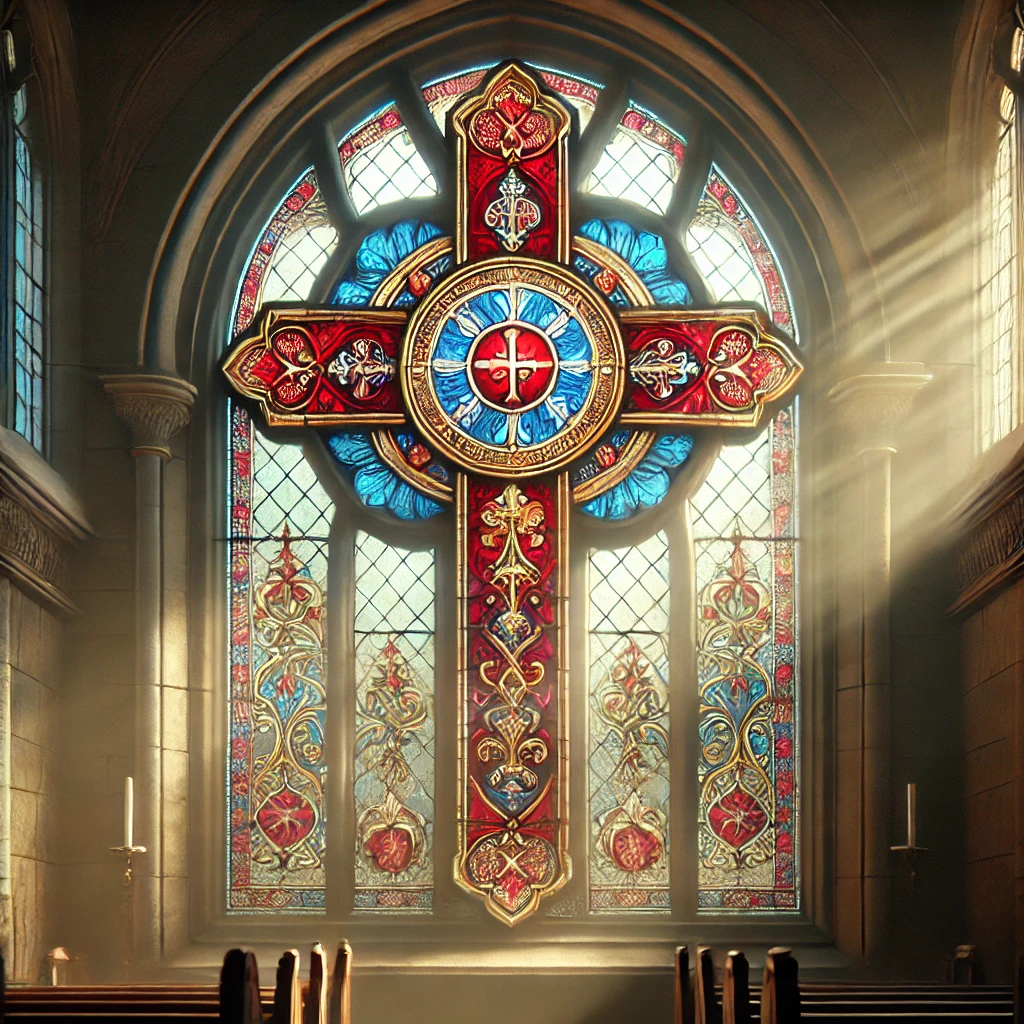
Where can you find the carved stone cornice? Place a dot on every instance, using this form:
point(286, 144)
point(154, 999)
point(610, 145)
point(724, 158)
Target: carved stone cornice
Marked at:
point(155, 407)
point(40, 520)
point(871, 405)
point(990, 525)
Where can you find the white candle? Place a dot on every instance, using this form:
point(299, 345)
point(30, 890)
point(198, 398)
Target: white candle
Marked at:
point(129, 810)
point(911, 814)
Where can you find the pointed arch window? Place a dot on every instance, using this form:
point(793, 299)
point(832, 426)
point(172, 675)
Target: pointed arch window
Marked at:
point(25, 270)
point(699, 783)
point(999, 266)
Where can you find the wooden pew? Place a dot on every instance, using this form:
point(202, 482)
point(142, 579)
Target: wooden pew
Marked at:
point(706, 1005)
point(780, 991)
point(288, 990)
point(240, 989)
point(315, 1011)
point(339, 1005)
point(683, 991)
point(736, 989)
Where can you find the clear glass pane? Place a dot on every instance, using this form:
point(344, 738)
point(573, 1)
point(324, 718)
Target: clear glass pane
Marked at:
point(998, 339)
point(640, 163)
point(381, 164)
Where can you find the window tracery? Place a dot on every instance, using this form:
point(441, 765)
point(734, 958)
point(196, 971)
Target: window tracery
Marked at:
point(394, 472)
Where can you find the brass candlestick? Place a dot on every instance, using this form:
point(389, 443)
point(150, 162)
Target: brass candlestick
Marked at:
point(911, 855)
point(128, 905)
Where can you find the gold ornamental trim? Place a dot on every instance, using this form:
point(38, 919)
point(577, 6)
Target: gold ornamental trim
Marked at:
point(608, 361)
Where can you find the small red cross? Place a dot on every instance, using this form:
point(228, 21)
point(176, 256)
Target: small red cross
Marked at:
point(509, 366)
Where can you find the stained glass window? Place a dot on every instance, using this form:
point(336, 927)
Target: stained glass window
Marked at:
point(442, 94)
point(280, 544)
point(628, 766)
point(29, 294)
point(731, 251)
point(998, 353)
point(745, 534)
point(279, 522)
point(394, 742)
point(289, 253)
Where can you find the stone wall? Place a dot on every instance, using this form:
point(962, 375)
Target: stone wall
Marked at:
point(35, 639)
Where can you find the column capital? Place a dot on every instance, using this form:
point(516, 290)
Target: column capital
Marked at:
point(870, 405)
point(154, 405)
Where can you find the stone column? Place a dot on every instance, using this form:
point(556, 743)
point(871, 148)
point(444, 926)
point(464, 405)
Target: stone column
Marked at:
point(869, 407)
point(155, 407)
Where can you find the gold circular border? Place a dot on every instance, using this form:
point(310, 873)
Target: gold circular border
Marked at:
point(602, 402)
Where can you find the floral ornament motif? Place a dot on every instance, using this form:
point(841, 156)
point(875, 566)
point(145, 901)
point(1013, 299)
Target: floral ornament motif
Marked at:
point(362, 366)
point(661, 366)
point(741, 371)
point(376, 483)
point(737, 706)
point(392, 835)
point(633, 835)
point(288, 705)
point(512, 216)
point(511, 744)
point(514, 122)
point(644, 486)
point(633, 705)
point(379, 257)
point(392, 710)
point(506, 520)
point(512, 867)
point(286, 817)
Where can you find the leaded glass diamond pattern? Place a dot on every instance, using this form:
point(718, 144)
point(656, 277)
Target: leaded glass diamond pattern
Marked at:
point(297, 261)
point(999, 302)
point(395, 586)
point(382, 164)
point(393, 781)
point(629, 588)
point(286, 491)
point(635, 170)
point(29, 357)
point(628, 777)
point(723, 259)
point(736, 493)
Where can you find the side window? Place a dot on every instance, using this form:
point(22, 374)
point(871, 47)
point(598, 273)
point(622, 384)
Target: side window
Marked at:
point(24, 255)
point(999, 336)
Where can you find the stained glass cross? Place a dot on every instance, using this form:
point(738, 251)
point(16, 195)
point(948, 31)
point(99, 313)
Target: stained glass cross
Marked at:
point(511, 366)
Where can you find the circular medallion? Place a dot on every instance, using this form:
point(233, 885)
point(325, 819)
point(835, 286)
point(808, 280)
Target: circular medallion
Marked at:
point(512, 367)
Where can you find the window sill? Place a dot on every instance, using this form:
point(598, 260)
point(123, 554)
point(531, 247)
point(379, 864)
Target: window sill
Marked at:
point(541, 947)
